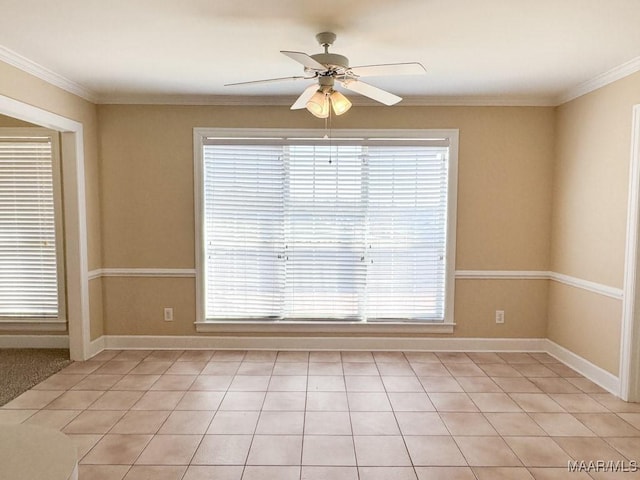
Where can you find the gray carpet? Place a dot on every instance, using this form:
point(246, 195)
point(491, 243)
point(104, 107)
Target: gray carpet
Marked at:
point(22, 368)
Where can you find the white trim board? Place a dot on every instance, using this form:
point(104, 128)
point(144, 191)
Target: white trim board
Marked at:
point(74, 207)
point(286, 101)
point(118, 342)
point(601, 80)
point(594, 373)
point(502, 275)
point(34, 341)
point(593, 287)
point(16, 60)
point(96, 346)
point(29, 66)
point(34, 325)
point(142, 272)
point(599, 376)
point(630, 331)
point(605, 78)
point(326, 327)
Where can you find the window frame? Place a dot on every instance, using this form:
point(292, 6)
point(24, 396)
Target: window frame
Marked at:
point(255, 135)
point(58, 323)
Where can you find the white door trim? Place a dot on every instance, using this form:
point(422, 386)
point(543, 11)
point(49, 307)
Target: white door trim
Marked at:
point(75, 217)
point(629, 348)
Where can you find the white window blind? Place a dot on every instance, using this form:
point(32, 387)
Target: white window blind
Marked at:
point(407, 224)
point(244, 231)
point(28, 253)
point(303, 230)
point(325, 221)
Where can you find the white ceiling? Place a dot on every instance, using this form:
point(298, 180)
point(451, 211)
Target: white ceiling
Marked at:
point(140, 49)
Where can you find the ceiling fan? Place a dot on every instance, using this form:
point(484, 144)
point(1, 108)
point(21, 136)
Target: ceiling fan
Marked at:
point(329, 68)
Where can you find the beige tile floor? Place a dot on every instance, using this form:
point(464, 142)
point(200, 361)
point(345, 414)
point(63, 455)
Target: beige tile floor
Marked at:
point(262, 415)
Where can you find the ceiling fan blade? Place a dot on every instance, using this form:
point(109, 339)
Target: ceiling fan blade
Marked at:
point(268, 80)
point(304, 59)
point(414, 68)
point(302, 100)
point(370, 91)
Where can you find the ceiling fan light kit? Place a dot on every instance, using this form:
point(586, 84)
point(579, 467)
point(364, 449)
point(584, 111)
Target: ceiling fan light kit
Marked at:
point(339, 102)
point(318, 105)
point(324, 99)
point(327, 69)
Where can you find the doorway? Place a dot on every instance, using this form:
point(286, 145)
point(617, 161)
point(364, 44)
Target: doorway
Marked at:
point(74, 211)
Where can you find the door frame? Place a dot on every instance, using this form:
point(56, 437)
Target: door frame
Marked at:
point(75, 217)
point(630, 331)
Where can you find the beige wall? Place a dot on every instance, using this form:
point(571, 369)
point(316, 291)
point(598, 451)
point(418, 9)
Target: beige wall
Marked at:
point(589, 218)
point(586, 323)
point(505, 169)
point(13, 122)
point(539, 189)
point(26, 88)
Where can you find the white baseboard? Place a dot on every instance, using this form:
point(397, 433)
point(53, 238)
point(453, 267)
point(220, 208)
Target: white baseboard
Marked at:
point(594, 373)
point(34, 341)
point(584, 367)
point(96, 346)
point(125, 342)
point(601, 377)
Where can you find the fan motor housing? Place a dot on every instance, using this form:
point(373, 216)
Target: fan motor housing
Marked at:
point(331, 60)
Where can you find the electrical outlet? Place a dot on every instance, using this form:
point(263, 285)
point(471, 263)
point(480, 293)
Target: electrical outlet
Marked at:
point(499, 316)
point(168, 314)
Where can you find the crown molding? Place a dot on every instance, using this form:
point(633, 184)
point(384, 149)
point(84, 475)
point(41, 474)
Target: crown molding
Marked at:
point(601, 80)
point(479, 101)
point(195, 100)
point(272, 100)
point(16, 60)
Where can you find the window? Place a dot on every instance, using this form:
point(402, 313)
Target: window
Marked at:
point(358, 228)
point(31, 278)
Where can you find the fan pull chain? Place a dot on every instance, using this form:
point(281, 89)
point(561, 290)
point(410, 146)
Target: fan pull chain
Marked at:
point(327, 128)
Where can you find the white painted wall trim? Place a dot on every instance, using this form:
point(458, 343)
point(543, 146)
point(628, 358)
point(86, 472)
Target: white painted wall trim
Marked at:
point(502, 275)
point(37, 70)
point(117, 342)
point(594, 373)
point(74, 205)
point(286, 100)
point(96, 346)
point(593, 287)
point(333, 328)
point(630, 331)
point(142, 272)
point(599, 81)
point(459, 275)
point(34, 341)
point(93, 274)
point(601, 377)
point(35, 325)
point(12, 58)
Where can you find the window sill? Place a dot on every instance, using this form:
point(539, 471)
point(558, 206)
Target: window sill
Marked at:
point(358, 328)
point(33, 325)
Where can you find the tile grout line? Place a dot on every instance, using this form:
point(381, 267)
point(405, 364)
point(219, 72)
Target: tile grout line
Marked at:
point(195, 451)
point(304, 418)
point(86, 408)
point(395, 417)
point(353, 437)
point(255, 428)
